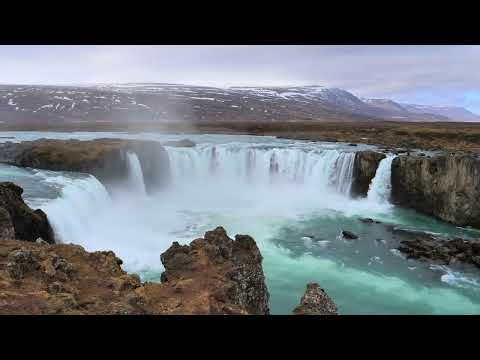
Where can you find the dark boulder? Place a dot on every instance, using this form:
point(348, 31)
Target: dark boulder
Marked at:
point(369, 221)
point(18, 219)
point(349, 235)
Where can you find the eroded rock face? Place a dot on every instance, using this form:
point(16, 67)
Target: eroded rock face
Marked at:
point(447, 186)
point(213, 275)
point(364, 170)
point(17, 220)
point(103, 158)
point(315, 301)
point(229, 272)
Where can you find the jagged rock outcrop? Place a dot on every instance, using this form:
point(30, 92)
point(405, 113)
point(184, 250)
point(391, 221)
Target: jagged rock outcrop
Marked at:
point(104, 158)
point(315, 301)
point(17, 220)
point(227, 272)
point(446, 186)
point(212, 275)
point(364, 169)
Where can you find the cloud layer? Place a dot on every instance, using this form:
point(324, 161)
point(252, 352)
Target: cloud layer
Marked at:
point(443, 75)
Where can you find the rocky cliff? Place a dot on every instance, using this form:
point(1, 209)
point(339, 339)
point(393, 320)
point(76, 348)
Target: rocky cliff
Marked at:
point(17, 220)
point(104, 158)
point(212, 275)
point(446, 186)
point(364, 169)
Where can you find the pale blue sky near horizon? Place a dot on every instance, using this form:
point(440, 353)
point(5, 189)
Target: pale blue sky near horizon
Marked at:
point(445, 75)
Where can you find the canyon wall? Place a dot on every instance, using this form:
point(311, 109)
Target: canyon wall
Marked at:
point(446, 186)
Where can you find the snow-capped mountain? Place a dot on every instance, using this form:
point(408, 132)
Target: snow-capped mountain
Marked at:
point(145, 102)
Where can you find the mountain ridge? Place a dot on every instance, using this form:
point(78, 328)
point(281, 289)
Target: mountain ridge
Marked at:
point(164, 102)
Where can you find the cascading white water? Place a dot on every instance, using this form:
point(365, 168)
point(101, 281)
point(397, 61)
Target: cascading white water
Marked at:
point(228, 164)
point(135, 176)
point(381, 186)
point(344, 172)
point(71, 215)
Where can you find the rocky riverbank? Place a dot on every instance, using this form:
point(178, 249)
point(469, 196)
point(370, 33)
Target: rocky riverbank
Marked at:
point(212, 275)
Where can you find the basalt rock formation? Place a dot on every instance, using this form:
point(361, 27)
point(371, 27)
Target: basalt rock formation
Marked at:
point(427, 247)
point(445, 186)
point(364, 169)
point(315, 301)
point(104, 158)
point(212, 275)
point(17, 220)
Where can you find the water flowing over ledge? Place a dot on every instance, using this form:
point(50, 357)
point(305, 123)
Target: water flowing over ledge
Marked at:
point(235, 165)
point(381, 186)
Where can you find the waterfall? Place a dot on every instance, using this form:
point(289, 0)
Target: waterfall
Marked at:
point(135, 174)
point(381, 186)
point(344, 172)
point(73, 214)
point(235, 165)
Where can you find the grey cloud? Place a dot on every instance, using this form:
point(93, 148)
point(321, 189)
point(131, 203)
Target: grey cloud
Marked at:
point(398, 72)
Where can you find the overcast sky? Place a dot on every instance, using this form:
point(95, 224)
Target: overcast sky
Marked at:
point(440, 75)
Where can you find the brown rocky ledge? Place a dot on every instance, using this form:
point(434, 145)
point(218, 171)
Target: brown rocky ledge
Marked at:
point(103, 158)
point(212, 275)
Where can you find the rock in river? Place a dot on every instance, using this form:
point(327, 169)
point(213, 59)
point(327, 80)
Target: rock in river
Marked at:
point(315, 301)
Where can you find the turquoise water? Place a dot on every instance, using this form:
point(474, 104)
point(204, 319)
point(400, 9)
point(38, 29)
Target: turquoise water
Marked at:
point(296, 225)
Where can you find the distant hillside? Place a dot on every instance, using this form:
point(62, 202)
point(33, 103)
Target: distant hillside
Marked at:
point(452, 112)
point(172, 102)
